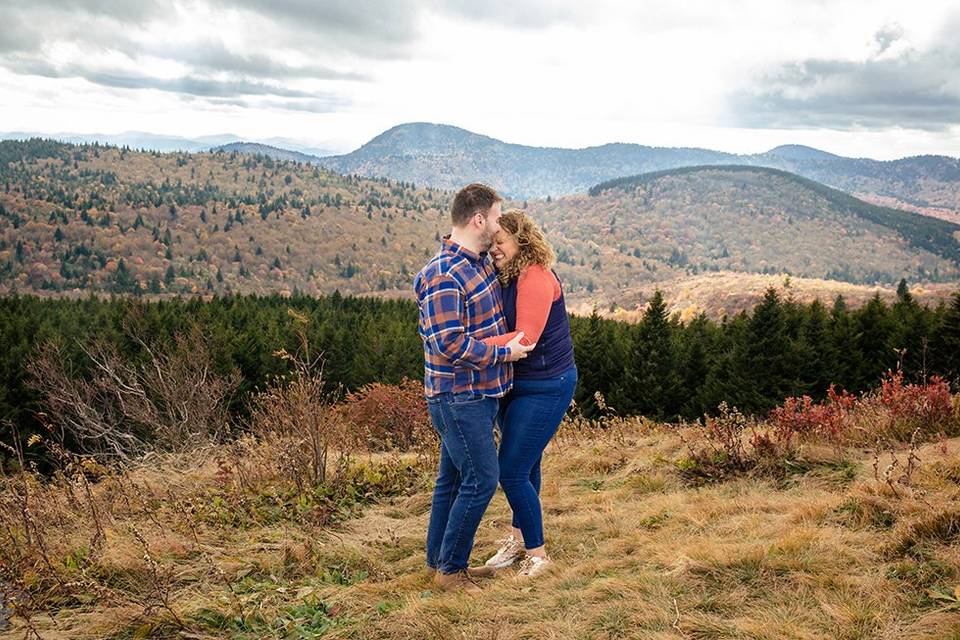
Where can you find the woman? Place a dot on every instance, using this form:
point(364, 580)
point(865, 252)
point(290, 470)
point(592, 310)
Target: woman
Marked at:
point(543, 382)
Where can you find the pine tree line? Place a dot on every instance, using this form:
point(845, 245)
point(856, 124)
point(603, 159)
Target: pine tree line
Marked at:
point(657, 367)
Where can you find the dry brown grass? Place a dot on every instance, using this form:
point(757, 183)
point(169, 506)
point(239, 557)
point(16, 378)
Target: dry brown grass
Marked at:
point(726, 293)
point(639, 554)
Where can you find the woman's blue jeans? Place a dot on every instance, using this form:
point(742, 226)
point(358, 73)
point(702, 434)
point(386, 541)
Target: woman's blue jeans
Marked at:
point(529, 417)
point(467, 478)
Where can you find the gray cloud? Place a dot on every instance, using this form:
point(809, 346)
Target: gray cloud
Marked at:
point(127, 11)
point(527, 14)
point(317, 104)
point(111, 26)
point(195, 86)
point(915, 89)
point(16, 35)
point(373, 28)
point(887, 35)
point(213, 56)
point(319, 29)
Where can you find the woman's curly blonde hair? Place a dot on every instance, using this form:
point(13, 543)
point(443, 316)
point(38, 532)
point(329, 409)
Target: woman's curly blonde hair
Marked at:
point(532, 246)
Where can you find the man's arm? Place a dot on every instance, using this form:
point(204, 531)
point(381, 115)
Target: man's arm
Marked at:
point(441, 309)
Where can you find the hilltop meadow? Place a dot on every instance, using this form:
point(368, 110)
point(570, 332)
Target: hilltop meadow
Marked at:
point(823, 520)
point(167, 492)
point(212, 423)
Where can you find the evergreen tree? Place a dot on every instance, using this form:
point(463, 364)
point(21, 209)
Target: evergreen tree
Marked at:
point(903, 292)
point(845, 346)
point(912, 328)
point(947, 343)
point(651, 384)
point(122, 279)
point(819, 354)
point(694, 352)
point(873, 343)
point(765, 356)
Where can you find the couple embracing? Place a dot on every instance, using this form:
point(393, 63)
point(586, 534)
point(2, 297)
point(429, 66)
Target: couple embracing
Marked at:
point(497, 352)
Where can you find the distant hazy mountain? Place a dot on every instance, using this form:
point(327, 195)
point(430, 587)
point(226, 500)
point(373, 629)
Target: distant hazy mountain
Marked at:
point(449, 157)
point(132, 139)
point(270, 151)
point(156, 142)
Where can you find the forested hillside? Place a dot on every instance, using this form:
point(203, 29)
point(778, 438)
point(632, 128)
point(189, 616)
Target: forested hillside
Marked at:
point(88, 218)
point(744, 219)
point(108, 219)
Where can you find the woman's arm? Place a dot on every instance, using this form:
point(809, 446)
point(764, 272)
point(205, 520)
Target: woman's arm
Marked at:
point(537, 289)
point(502, 339)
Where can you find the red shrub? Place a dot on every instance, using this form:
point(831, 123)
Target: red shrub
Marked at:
point(893, 410)
point(383, 416)
point(914, 406)
point(802, 419)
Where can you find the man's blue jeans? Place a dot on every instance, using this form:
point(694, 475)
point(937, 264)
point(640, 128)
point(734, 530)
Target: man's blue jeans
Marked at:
point(467, 478)
point(529, 417)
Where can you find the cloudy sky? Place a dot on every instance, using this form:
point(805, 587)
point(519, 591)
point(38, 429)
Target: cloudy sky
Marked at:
point(878, 78)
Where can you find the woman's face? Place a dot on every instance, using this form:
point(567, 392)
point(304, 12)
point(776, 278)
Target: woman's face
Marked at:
point(504, 248)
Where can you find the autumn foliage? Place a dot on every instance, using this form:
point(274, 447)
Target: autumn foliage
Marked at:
point(383, 416)
point(894, 413)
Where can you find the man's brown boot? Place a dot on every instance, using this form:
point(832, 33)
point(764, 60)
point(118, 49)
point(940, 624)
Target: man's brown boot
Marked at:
point(458, 581)
point(474, 572)
point(482, 571)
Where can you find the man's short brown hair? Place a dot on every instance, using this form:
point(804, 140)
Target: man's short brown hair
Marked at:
point(470, 200)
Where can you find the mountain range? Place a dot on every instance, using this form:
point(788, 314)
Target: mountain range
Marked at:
point(78, 218)
point(448, 157)
point(166, 144)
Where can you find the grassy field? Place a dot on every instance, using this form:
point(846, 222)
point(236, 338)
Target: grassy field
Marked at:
point(727, 294)
point(648, 542)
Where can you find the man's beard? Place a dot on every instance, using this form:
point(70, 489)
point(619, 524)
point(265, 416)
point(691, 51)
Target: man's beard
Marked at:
point(486, 240)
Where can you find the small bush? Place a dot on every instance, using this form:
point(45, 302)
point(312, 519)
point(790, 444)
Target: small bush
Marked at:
point(927, 407)
point(800, 419)
point(722, 448)
point(382, 417)
point(170, 400)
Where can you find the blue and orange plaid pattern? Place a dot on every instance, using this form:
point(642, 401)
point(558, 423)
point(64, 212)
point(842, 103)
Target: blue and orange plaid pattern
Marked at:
point(460, 305)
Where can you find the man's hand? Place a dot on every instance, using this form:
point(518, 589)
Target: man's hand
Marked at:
point(518, 351)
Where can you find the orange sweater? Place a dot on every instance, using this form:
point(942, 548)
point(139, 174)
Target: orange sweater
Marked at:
point(537, 290)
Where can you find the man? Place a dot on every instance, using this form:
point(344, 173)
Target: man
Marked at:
point(460, 306)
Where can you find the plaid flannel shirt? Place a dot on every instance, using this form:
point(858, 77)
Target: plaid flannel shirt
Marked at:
point(460, 305)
